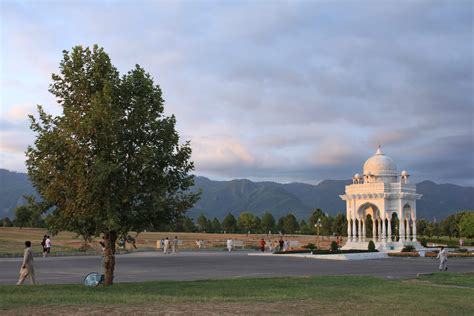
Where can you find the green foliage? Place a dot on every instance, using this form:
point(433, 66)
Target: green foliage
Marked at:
point(326, 222)
point(22, 216)
point(422, 227)
point(216, 225)
point(229, 224)
point(304, 228)
point(290, 224)
point(112, 162)
point(29, 215)
point(371, 246)
point(6, 222)
point(424, 242)
point(466, 225)
point(204, 225)
point(268, 222)
point(408, 248)
point(334, 246)
point(247, 222)
point(339, 225)
point(433, 229)
point(310, 246)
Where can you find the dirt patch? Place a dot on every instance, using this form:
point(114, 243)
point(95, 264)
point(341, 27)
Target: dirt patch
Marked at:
point(191, 308)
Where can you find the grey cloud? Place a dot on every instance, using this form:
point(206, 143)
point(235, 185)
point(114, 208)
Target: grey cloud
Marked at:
point(295, 81)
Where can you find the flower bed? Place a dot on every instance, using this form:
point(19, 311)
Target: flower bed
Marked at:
point(404, 254)
point(322, 251)
point(432, 254)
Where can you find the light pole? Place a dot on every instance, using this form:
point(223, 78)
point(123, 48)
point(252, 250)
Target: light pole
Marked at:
point(317, 226)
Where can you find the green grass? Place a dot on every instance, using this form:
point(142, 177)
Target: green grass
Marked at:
point(434, 294)
point(455, 279)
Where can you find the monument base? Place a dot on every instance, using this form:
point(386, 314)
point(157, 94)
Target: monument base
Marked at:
point(385, 246)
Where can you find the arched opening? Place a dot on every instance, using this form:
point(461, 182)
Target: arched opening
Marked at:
point(395, 227)
point(369, 215)
point(369, 224)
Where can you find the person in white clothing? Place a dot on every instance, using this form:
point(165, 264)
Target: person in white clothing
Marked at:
point(443, 259)
point(166, 246)
point(229, 244)
point(48, 245)
point(27, 270)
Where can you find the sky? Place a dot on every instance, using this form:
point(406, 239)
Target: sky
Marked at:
point(285, 91)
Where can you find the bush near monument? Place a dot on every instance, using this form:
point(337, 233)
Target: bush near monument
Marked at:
point(371, 246)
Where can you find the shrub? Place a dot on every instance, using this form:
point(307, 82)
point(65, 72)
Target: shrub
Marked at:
point(371, 246)
point(310, 246)
point(334, 246)
point(424, 242)
point(408, 248)
point(403, 254)
point(462, 250)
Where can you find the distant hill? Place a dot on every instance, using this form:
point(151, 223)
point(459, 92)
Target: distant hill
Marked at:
point(13, 186)
point(222, 197)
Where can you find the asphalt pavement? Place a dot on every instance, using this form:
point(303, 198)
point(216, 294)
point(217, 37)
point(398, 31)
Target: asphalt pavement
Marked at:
point(196, 265)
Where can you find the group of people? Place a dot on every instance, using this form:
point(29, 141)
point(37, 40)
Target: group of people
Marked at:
point(46, 244)
point(199, 243)
point(275, 246)
point(169, 246)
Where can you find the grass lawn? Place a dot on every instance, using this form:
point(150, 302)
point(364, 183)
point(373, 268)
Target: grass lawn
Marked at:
point(440, 294)
point(12, 240)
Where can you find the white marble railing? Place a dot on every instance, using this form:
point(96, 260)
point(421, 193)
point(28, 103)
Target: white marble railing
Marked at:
point(379, 188)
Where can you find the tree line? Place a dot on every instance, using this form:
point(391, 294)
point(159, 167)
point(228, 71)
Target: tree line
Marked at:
point(456, 225)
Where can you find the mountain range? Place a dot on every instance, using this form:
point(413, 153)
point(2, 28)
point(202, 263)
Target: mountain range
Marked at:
point(218, 198)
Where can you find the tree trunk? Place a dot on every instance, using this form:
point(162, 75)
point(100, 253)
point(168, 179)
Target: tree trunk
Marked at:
point(109, 257)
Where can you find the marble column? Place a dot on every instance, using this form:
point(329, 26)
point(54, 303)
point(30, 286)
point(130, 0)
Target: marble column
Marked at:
point(373, 231)
point(401, 230)
point(414, 230)
point(379, 232)
point(384, 232)
point(364, 232)
point(389, 227)
point(349, 237)
point(359, 232)
point(354, 238)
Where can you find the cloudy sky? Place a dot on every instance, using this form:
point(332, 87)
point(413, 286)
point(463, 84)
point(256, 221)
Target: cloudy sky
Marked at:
point(268, 90)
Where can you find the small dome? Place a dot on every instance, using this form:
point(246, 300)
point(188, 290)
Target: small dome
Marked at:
point(404, 173)
point(357, 176)
point(380, 165)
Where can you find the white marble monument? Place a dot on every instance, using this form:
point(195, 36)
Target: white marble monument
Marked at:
point(381, 194)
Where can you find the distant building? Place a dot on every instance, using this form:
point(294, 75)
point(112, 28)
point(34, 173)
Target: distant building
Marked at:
point(382, 195)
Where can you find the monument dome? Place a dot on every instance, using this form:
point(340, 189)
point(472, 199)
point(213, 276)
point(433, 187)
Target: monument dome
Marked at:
point(380, 167)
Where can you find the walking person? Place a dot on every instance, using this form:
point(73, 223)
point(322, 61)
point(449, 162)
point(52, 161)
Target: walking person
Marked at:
point(229, 244)
point(43, 245)
point(48, 245)
point(262, 244)
point(443, 259)
point(281, 244)
point(174, 245)
point(166, 246)
point(27, 269)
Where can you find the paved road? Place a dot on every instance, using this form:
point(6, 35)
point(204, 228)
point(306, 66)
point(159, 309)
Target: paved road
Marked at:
point(146, 266)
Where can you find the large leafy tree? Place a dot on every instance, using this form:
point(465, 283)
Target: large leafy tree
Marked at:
point(246, 222)
point(112, 158)
point(229, 223)
point(318, 214)
point(268, 222)
point(467, 224)
point(290, 224)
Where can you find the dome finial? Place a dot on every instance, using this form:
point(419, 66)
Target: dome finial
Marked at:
point(379, 150)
